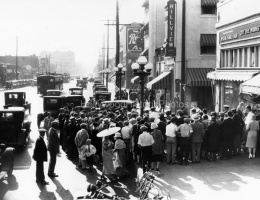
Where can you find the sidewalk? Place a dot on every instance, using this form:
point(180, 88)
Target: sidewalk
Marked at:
point(238, 178)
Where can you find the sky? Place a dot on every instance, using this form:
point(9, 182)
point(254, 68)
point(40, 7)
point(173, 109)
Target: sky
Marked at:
point(50, 25)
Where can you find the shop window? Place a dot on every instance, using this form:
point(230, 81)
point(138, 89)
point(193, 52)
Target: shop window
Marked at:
point(231, 93)
point(209, 10)
point(211, 50)
point(252, 57)
point(245, 57)
point(240, 57)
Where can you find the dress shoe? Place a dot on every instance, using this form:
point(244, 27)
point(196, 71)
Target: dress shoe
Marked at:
point(53, 175)
point(45, 183)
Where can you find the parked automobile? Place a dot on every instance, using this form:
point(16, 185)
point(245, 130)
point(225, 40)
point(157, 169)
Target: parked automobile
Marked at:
point(53, 93)
point(118, 104)
point(76, 91)
point(100, 89)
point(81, 83)
point(14, 129)
point(17, 99)
point(6, 161)
point(53, 104)
point(77, 100)
point(102, 96)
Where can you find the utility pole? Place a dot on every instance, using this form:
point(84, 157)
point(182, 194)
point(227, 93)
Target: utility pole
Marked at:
point(117, 40)
point(16, 59)
point(183, 50)
point(107, 53)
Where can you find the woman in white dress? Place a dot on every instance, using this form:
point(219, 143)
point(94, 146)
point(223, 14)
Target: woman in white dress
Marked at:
point(252, 128)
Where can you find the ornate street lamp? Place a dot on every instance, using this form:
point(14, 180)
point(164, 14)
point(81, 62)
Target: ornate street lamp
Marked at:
point(142, 69)
point(120, 71)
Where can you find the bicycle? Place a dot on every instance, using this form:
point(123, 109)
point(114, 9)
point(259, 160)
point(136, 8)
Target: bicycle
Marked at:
point(145, 185)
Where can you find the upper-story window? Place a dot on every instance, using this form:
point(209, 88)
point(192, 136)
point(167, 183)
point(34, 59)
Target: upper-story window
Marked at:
point(209, 7)
point(208, 44)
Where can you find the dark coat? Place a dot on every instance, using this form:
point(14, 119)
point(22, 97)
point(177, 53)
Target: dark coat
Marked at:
point(213, 137)
point(40, 150)
point(162, 128)
point(227, 130)
point(53, 145)
point(238, 125)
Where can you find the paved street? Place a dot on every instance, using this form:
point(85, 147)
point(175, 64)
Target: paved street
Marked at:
point(236, 178)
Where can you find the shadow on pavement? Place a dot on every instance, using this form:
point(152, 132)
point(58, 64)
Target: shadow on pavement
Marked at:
point(63, 193)
point(9, 183)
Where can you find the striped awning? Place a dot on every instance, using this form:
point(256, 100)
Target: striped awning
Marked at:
point(252, 86)
point(145, 52)
point(198, 76)
point(208, 40)
point(209, 2)
point(232, 75)
point(135, 80)
point(161, 82)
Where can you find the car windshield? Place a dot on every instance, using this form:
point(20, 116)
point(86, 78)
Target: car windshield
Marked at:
point(75, 92)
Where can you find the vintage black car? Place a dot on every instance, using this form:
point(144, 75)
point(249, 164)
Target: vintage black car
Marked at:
point(14, 129)
point(81, 83)
point(76, 91)
point(17, 99)
point(118, 104)
point(102, 96)
point(6, 161)
point(53, 93)
point(77, 100)
point(100, 89)
point(53, 104)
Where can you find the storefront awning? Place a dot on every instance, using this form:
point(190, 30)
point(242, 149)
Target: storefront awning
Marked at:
point(209, 2)
point(252, 86)
point(208, 40)
point(160, 82)
point(145, 52)
point(231, 75)
point(135, 80)
point(198, 76)
point(112, 75)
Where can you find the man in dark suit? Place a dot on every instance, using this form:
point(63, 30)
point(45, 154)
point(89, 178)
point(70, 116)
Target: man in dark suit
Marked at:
point(238, 132)
point(53, 148)
point(40, 156)
point(227, 136)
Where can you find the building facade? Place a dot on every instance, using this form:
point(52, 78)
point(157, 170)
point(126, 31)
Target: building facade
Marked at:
point(238, 51)
point(184, 51)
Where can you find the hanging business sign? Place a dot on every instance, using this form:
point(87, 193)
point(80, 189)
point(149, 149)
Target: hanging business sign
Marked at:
point(240, 33)
point(132, 36)
point(170, 49)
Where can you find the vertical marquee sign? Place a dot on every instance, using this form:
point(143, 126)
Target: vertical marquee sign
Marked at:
point(170, 50)
point(132, 35)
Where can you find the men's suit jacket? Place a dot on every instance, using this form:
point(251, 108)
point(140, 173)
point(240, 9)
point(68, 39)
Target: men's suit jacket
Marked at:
point(53, 145)
point(40, 150)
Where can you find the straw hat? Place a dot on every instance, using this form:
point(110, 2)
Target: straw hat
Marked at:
point(154, 126)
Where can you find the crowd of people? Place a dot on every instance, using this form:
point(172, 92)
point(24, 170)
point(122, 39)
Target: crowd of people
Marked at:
point(147, 139)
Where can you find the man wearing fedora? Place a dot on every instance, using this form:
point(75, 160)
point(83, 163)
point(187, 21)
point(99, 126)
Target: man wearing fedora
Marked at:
point(196, 138)
point(40, 156)
point(53, 148)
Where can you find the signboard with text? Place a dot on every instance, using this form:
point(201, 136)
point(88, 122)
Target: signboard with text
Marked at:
point(131, 35)
point(242, 32)
point(170, 50)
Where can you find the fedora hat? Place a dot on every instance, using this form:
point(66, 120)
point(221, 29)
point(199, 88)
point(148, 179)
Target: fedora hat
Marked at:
point(143, 128)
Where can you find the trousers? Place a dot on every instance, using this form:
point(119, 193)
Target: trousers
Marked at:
point(146, 157)
point(195, 147)
point(171, 144)
point(39, 171)
point(52, 163)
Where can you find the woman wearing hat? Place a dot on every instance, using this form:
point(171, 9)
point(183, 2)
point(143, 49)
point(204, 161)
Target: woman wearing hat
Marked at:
point(157, 146)
point(107, 155)
point(251, 141)
point(145, 142)
point(120, 148)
